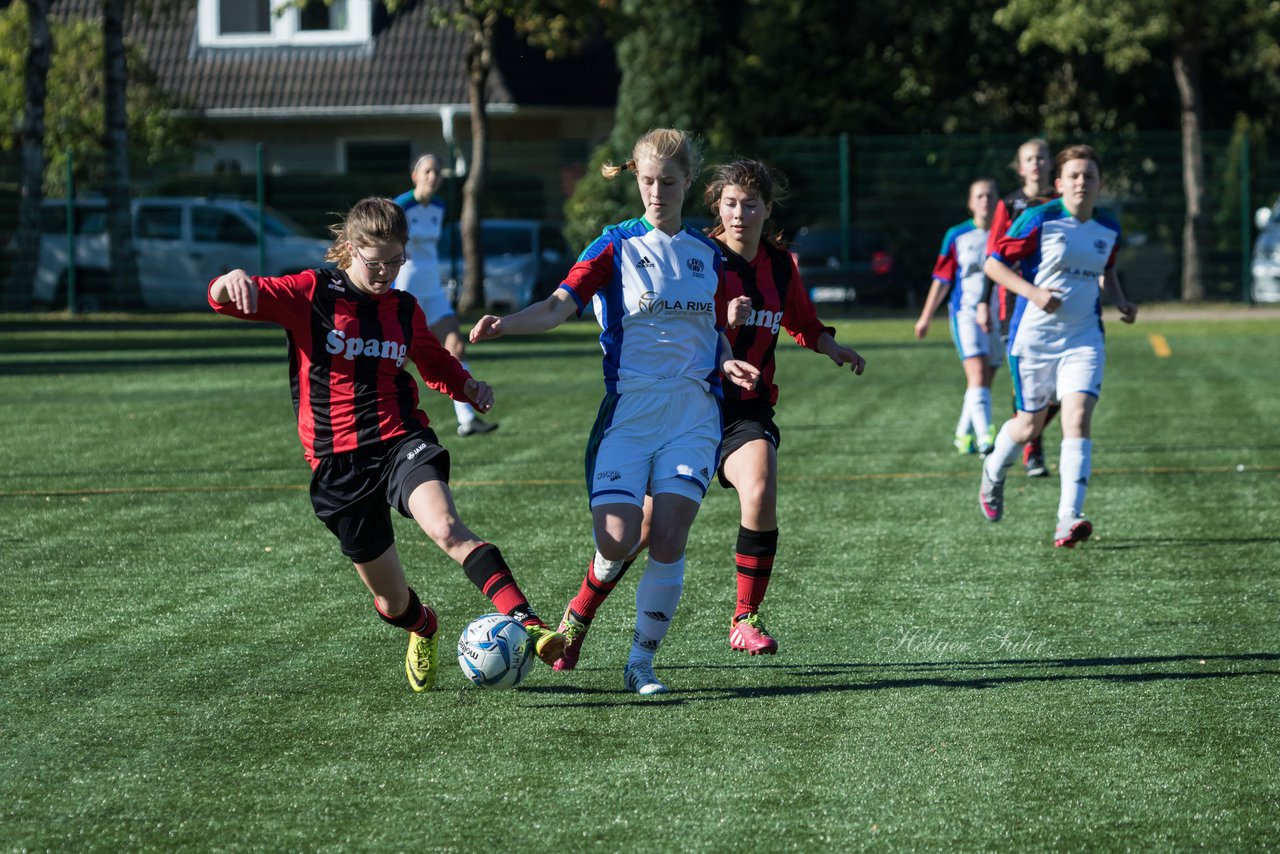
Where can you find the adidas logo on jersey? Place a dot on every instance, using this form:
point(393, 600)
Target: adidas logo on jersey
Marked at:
point(645, 264)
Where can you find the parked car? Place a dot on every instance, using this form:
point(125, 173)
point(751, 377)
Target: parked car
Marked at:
point(868, 276)
point(1266, 255)
point(524, 261)
point(180, 243)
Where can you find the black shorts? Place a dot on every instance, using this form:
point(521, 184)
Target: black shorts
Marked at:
point(743, 423)
point(353, 493)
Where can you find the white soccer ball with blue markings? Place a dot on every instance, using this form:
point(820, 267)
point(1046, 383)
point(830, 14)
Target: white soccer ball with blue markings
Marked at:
point(495, 652)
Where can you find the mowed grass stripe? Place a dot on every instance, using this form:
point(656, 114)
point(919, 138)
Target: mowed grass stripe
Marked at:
point(922, 475)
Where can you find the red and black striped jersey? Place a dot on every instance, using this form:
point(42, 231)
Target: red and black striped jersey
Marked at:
point(347, 354)
point(1007, 210)
point(778, 301)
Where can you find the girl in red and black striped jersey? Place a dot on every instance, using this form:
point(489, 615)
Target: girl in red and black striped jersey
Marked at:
point(757, 265)
point(741, 195)
point(1033, 165)
point(368, 442)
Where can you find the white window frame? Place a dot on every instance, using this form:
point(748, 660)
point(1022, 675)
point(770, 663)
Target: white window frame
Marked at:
point(284, 27)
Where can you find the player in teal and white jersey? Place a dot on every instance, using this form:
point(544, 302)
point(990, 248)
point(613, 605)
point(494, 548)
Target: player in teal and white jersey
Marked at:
point(958, 272)
point(1055, 335)
point(420, 275)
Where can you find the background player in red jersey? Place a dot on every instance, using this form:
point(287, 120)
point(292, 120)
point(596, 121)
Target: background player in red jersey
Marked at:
point(1033, 165)
point(368, 442)
point(741, 196)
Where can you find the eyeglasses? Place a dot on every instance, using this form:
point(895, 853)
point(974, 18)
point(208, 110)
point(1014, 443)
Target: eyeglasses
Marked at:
point(379, 266)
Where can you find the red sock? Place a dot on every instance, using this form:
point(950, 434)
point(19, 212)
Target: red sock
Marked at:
point(593, 592)
point(754, 559)
point(488, 571)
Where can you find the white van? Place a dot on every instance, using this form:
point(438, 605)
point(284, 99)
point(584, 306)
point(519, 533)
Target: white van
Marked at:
point(1266, 255)
point(180, 243)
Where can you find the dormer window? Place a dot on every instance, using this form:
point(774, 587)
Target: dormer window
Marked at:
point(266, 23)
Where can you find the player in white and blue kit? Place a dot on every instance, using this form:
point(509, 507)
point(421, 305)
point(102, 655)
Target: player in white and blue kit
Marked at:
point(420, 274)
point(1055, 335)
point(658, 293)
point(958, 273)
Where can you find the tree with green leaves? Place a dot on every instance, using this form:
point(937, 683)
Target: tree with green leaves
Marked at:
point(35, 77)
point(554, 25)
point(1131, 34)
point(75, 99)
point(675, 57)
point(115, 145)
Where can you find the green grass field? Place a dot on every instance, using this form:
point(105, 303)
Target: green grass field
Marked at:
point(189, 662)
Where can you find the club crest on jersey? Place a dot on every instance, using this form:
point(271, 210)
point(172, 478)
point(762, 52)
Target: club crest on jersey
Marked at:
point(337, 343)
point(1101, 246)
point(696, 266)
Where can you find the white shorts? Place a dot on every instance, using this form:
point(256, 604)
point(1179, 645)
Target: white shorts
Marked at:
point(971, 341)
point(433, 301)
point(655, 442)
point(1039, 380)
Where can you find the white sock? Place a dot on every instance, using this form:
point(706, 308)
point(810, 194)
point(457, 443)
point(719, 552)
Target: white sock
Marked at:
point(1074, 467)
point(977, 403)
point(464, 411)
point(657, 596)
point(1001, 457)
point(965, 424)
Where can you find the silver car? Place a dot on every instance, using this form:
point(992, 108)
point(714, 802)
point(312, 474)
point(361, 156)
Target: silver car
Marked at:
point(524, 260)
point(180, 243)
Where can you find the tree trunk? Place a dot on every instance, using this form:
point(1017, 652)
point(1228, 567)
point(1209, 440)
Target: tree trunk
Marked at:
point(479, 59)
point(1186, 71)
point(22, 270)
point(124, 268)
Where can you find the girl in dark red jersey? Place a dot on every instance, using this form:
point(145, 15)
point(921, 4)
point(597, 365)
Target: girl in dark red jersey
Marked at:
point(369, 444)
point(758, 267)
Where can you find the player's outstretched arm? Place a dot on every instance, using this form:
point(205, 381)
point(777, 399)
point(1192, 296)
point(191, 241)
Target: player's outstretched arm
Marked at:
point(1111, 287)
point(937, 294)
point(840, 354)
point(738, 372)
point(235, 287)
point(480, 393)
point(539, 317)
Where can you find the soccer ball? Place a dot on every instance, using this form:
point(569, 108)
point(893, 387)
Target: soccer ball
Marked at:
point(495, 652)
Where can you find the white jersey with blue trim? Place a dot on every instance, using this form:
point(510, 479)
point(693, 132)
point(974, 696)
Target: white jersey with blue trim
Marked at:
point(1069, 257)
point(659, 299)
point(421, 273)
point(959, 264)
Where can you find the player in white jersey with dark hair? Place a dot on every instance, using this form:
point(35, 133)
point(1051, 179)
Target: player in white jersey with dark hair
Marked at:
point(420, 275)
point(658, 293)
point(958, 274)
point(1056, 348)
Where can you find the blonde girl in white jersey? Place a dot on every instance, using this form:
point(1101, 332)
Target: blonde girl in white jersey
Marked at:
point(658, 293)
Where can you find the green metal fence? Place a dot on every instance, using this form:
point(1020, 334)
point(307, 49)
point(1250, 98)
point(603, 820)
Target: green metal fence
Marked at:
point(910, 188)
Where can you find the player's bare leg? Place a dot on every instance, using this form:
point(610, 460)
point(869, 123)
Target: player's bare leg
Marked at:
point(469, 424)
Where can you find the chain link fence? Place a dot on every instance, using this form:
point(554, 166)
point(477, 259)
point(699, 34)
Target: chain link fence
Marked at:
point(908, 189)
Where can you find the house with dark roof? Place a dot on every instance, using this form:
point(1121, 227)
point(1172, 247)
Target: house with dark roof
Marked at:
point(345, 87)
